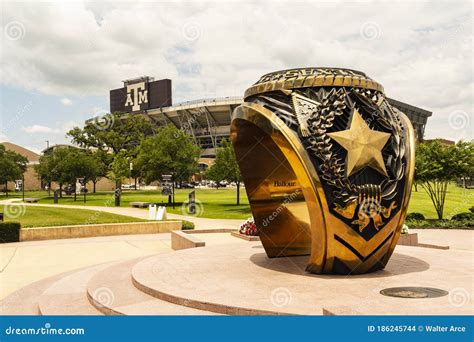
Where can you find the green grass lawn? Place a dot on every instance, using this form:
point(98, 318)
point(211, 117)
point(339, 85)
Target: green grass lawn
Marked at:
point(13, 194)
point(212, 203)
point(458, 200)
point(31, 216)
point(220, 203)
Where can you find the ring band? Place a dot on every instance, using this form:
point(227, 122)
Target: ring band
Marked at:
point(327, 164)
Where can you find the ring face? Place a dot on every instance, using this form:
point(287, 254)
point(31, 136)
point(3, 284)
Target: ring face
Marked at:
point(333, 177)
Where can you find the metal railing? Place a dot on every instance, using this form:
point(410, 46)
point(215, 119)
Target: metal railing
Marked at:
point(232, 99)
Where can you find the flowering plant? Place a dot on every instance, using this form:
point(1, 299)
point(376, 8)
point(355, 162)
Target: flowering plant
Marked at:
point(248, 228)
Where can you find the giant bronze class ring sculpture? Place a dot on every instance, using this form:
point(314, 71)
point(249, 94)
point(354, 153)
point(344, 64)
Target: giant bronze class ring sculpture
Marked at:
point(328, 166)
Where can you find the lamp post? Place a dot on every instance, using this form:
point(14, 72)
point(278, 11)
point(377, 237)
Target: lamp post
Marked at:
point(85, 189)
point(173, 187)
point(130, 177)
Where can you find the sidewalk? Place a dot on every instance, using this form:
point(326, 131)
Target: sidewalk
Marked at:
point(22, 263)
point(199, 222)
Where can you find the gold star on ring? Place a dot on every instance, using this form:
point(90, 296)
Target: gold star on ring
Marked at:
point(364, 145)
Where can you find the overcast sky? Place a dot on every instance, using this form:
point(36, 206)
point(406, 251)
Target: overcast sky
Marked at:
point(60, 59)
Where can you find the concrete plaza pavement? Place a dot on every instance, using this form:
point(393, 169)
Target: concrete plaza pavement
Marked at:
point(27, 262)
point(240, 279)
point(22, 263)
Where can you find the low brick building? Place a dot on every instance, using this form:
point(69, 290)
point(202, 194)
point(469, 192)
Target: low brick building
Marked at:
point(32, 181)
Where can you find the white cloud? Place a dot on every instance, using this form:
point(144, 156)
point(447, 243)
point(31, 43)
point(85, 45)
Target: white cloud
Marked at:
point(65, 101)
point(66, 126)
point(62, 128)
point(39, 129)
point(421, 51)
point(98, 111)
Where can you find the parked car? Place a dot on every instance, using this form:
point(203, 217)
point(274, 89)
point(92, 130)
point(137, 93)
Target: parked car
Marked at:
point(128, 187)
point(216, 185)
point(71, 189)
point(186, 185)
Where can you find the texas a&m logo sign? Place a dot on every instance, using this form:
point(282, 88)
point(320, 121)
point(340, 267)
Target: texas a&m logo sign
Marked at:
point(137, 95)
point(140, 95)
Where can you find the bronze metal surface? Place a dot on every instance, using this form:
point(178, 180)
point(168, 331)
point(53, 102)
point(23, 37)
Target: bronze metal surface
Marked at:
point(312, 77)
point(327, 165)
point(414, 292)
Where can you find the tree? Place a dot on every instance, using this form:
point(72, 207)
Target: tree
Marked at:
point(110, 135)
point(78, 163)
point(437, 164)
point(169, 151)
point(65, 165)
point(119, 169)
point(12, 166)
point(100, 167)
point(49, 167)
point(225, 167)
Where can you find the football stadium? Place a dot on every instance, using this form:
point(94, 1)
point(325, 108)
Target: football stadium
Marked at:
point(206, 120)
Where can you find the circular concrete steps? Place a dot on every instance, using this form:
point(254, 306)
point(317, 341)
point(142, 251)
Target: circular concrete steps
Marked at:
point(218, 279)
point(68, 295)
point(239, 279)
point(25, 300)
point(104, 289)
point(111, 292)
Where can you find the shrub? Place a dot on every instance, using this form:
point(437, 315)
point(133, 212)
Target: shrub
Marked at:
point(9, 232)
point(187, 225)
point(467, 216)
point(471, 209)
point(415, 217)
point(442, 224)
point(249, 228)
